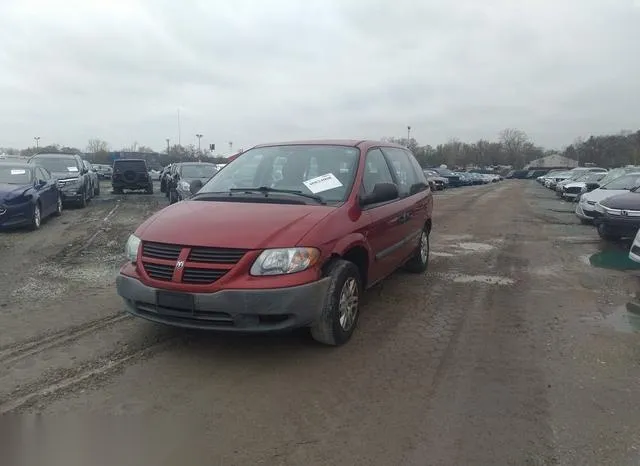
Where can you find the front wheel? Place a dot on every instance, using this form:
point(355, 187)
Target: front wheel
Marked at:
point(420, 260)
point(84, 200)
point(341, 307)
point(36, 217)
point(96, 191)
point(604, 233)
point(58, 211)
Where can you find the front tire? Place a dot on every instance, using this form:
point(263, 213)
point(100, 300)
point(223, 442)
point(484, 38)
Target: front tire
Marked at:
point(341, 308)
point(420, 261)
point(36, 217)
point(96, 191)
point(58, 211)
point(605, 235)
point(84, 200)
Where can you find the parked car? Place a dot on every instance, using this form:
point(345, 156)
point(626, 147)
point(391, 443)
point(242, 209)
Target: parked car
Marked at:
point(169, 179)
point(73, 178)
point(454, 180)
point(104, 171)
point(186, 174)
point(439, 182)
point(155, 174)
point(588, 182)
point(575, 175)
point(586, 208)
point(93, 178)
point(28, 194)
point(634, 251)
point(286, 235)
point(552, 180)
point(131, 174)
point(618, 216)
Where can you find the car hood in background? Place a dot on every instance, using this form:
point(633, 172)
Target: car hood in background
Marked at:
point(9, 191)
point(232, 224)
point(576, 184)
point(598, 195)
point(626, 201)
point(65, 175)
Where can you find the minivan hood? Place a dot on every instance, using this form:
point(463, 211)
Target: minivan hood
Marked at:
point(65, 175)
point(240, 225)
point(626, 201)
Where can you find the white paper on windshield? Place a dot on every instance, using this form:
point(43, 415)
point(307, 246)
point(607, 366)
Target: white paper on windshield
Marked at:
point(323, 183)
point(72, 169)
point(18, 172)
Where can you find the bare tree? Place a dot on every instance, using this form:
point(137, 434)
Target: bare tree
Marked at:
point(97, 145)
point(514, 142)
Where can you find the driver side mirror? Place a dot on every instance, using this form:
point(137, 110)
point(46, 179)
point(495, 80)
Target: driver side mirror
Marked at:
point(382, 192)
point(40, 183)
point(592, 186)
point(195, 186)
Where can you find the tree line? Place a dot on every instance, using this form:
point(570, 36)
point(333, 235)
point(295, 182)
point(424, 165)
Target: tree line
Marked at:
point(513, 147)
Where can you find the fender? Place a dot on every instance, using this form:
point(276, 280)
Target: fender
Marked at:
point(350, 241)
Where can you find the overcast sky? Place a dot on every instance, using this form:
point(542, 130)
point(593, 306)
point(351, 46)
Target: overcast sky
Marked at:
point(252, 71)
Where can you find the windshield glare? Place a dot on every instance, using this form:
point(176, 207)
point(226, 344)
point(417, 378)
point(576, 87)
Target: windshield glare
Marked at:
point(198, 171)
point(625, 182)
point(323, 170)
point(58, 165)
point(15, 175)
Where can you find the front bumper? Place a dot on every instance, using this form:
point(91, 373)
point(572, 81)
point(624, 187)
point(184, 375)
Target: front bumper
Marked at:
point(618, 226)
point(585, 212)
point(252, 311)
point(15, 215)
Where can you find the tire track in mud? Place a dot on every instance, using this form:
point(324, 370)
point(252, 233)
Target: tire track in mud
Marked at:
point(62, 381)
point(10, 354)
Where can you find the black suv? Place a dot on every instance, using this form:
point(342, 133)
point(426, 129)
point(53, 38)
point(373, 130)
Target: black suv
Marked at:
point(131, 174)
point(72, 176)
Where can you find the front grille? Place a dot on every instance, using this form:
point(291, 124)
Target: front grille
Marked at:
point(159, 271)
point(161, 251)
point(573, 190)
point(216, 255)
point(201, 276)
point(591, 202)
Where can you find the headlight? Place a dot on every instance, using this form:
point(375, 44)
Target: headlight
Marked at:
point(284, 261)
point(185, 186)
point(599, 208)
point(131, 249)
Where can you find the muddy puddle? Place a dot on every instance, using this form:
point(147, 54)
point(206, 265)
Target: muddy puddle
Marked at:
point(614, 258)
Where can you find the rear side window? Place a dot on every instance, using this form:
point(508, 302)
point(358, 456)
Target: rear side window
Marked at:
point(407, 178)
point(376, 171)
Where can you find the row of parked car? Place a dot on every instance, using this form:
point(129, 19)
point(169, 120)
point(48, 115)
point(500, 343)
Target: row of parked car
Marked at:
point(442, 178)
point(180, 181)
point(38, 187)
point(608, 199)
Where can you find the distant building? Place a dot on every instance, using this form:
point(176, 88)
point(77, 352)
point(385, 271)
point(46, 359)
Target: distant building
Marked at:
point(552, 161)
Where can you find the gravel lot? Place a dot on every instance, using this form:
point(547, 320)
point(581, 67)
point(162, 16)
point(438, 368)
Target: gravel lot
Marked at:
point(512, 349)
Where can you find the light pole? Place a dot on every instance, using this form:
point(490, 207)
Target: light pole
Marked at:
point(199, 136)
point(408, 134)
point(168, 146)
point(37, 138)
point(230, 146)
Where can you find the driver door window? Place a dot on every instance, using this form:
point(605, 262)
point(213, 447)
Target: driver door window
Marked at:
point(376, 171)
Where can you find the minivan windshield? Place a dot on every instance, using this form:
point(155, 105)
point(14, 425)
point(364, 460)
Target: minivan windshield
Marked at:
point(325, 171)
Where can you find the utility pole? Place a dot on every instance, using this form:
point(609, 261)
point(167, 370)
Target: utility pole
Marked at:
point(179, 130)
point(199, 136)
point(230, 146)
point(37, 138)
point(408, 135)
point(168, 146)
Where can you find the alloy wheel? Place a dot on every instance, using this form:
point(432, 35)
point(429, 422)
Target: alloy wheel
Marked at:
point(348, 306)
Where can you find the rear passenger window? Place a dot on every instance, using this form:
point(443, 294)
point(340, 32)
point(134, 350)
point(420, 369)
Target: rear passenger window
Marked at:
point(407, 178)
point(376, 170)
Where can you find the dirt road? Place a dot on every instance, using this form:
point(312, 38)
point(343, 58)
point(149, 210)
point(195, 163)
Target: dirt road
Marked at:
point(512, 349)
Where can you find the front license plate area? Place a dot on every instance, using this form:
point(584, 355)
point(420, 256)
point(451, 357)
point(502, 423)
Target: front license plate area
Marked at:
point(180, 302)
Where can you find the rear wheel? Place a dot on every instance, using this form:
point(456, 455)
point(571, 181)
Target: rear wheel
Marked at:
point(341, 307)
point(420, 261)
point(36, 217)
point(117, 190)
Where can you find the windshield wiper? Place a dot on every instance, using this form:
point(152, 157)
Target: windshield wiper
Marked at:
point(267, 189)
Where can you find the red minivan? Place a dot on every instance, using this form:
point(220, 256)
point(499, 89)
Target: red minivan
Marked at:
point(287, 235)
